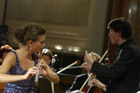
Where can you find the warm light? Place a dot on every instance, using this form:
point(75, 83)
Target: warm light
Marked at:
point(129, 11)
point(76, 49)
point(58, 47)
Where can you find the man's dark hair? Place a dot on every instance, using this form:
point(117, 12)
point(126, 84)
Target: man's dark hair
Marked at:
point(121, 25)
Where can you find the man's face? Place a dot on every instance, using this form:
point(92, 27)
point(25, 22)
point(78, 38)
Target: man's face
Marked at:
point(114, 36)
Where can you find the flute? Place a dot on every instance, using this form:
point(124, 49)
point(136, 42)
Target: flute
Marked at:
point(37, 76)
point(91, 73)
point(39, 56)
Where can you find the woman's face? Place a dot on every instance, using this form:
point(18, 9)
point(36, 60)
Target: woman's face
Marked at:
point(39, 44)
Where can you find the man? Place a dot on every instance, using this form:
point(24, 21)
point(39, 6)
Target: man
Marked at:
point(80, 79)
point(124, 72)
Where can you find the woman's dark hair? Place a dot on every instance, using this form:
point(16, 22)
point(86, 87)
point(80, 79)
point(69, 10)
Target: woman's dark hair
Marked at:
point(29, 32)
point(121, 25)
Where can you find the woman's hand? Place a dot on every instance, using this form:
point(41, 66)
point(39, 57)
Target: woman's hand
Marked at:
point(47, 72)
point(43, 67)
point(31, 72)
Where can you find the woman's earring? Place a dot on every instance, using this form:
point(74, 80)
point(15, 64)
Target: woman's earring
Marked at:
point(30, 48)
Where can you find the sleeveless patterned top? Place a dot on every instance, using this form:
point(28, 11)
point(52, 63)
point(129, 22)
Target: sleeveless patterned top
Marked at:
point(23, 86)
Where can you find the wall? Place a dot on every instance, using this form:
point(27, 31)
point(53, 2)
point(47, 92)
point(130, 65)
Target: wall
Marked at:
point(74, 24)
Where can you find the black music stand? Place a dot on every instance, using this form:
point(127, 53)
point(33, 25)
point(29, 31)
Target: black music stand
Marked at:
point(44, 85)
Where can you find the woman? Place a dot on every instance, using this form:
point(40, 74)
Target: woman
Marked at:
point(18, 67)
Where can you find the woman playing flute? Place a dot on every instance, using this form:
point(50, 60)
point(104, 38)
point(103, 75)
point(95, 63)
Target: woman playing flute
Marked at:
point(19, 67)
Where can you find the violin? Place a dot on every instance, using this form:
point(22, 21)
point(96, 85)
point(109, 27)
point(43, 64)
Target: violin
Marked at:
point(92, 89)
point(96, 89)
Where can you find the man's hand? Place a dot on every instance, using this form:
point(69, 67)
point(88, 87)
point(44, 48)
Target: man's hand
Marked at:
point(89, 58)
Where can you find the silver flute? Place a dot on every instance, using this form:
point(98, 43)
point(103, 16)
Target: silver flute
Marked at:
point(38, 66)
point(37, 76)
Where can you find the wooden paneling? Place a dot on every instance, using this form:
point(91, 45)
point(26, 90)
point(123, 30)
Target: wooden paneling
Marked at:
point(120, 9)
point(131, 10)
point(134, 17)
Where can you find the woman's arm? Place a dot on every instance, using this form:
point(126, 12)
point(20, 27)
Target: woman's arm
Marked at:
point(52, 76)
point(46, 71)
point(8, 63)
point(5, 78)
